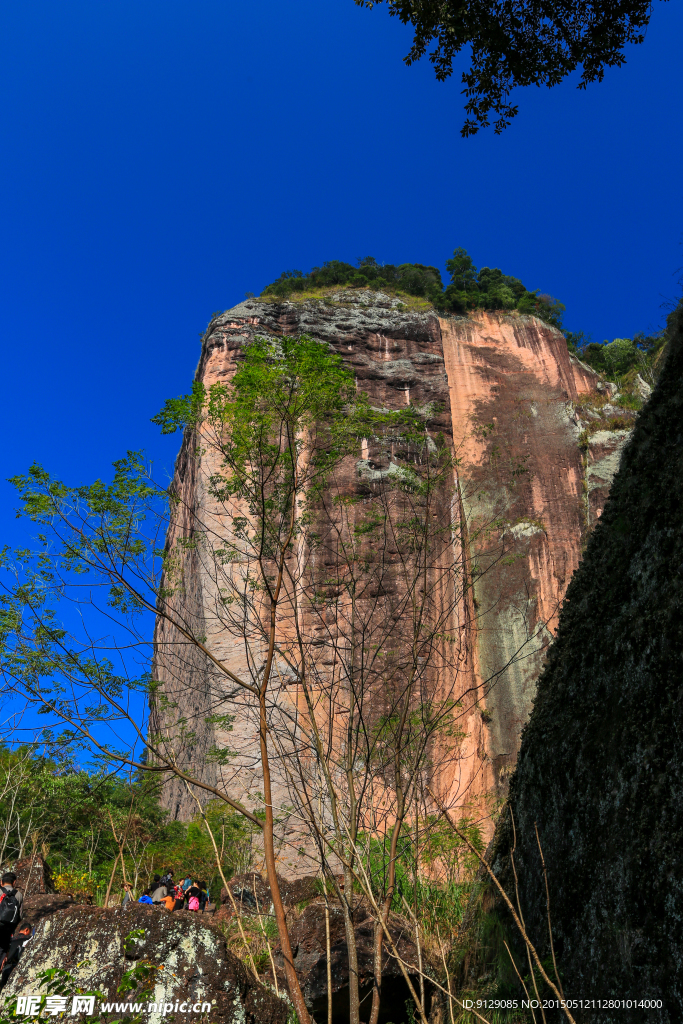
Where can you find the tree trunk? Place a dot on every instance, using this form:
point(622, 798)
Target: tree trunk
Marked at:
point(295, 993)
point(347, 904)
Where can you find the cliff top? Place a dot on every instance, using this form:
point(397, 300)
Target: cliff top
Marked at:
point(338, 309)
point(469, 288)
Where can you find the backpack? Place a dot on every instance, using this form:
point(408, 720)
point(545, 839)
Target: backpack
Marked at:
point(9, 907)
point(193, 903)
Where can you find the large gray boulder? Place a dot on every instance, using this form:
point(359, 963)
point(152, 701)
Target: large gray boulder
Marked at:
point(197, 967)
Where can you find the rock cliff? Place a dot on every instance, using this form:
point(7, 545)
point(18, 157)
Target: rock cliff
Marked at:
point(601, 760)
point(533, 474)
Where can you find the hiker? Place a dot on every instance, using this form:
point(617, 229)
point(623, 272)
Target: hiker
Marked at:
point(169, 901)
point(192, 894)
point(16, 947)
point(179, 897)
point(159, 892)
point(11, 900)
point(127, 894)
point(145, 898)
point(167, 879)
point(154, 884)
point(186, 883)
point(203, 895)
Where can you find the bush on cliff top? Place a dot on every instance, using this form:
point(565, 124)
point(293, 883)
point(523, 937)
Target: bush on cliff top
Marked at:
point(468, 289)
point(621, 359)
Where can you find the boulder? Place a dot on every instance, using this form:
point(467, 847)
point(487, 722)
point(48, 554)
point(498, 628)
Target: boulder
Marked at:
point(307, 934)
point(251, 894)
point(194, 964)
point(41, 905)
point(33, 876)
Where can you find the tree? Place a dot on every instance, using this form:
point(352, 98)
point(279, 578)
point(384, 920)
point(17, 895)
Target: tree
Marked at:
point(462, 270)
point(519, 43)
point(278, 428)
point(328, 651)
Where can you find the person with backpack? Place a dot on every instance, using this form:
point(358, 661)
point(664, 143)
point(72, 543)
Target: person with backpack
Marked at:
point(11, 900)
point(192, 894)
point(10, 960)
point(167, 880)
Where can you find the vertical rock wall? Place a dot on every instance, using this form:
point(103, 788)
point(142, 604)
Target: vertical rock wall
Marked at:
point(601, 763)
point(505, 392)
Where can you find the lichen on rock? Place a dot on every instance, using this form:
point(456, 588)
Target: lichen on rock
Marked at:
point(192, 963)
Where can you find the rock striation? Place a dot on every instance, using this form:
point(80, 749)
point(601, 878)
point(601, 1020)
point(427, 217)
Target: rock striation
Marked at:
point(533, 474)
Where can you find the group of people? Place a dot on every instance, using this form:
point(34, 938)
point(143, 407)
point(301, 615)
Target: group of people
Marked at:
point(13, 934)
point(163, 891)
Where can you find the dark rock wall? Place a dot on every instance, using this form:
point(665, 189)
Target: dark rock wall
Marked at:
point(601, 762)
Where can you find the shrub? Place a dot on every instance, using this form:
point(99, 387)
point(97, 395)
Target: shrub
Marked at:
point(468, 289)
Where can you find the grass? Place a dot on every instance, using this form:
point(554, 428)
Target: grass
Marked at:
point(407, 303)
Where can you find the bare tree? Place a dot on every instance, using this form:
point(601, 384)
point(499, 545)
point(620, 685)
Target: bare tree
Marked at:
point(311, 664)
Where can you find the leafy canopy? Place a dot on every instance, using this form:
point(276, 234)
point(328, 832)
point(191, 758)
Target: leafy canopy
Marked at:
point(621, 358)
point(518, 42)
point(468, 289)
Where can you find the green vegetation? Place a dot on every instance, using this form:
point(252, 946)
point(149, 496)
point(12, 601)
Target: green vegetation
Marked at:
point(81, 846)
point(467, 290)
point(620, 360)
point(518, 44)
point(434, 873)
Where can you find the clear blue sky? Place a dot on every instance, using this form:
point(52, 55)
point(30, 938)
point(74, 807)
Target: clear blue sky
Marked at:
point(160, 159)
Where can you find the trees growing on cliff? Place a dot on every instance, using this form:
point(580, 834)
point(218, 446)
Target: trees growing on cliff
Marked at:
point(518, 43)
point(622, 358)
point(469, 289)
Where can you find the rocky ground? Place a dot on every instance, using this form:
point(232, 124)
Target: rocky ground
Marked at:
point(190, 962)
point(306, 914)
point(191, 956)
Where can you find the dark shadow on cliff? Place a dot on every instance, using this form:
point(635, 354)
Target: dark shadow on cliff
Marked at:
point(601, 764)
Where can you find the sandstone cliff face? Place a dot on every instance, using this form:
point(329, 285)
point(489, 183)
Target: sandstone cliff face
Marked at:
point(507, 395)
point(601, 761)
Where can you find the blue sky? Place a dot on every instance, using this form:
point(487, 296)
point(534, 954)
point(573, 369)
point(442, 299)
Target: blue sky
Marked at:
point(160, 159)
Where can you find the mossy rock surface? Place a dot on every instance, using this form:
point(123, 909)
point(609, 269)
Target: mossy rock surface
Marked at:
point(601, 764)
